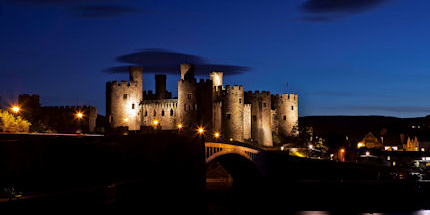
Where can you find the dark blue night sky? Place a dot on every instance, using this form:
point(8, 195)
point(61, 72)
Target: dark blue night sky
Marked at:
point(343, 57)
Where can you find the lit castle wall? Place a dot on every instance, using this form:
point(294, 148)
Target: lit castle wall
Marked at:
point(241, 116)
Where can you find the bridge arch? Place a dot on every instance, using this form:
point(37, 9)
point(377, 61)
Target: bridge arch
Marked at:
point(239, 161)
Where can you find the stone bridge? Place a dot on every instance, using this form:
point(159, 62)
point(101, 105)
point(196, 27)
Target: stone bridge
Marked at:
point(214, 150)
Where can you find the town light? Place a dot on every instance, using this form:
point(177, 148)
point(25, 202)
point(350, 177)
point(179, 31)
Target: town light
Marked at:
point(342, 150)
point(179, 126)
point(217, 134)
point(201, 130)
point(231, 139)
point(367, 153)
point(126, 119)
point(15, 109)
point(311, 146)
point(155, 122)
point(79, 115)
point(360, 144)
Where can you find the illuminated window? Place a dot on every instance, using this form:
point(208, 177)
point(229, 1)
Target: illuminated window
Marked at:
point(124, 96)
point(285, 118)
point(395, 148)
point(228, 116)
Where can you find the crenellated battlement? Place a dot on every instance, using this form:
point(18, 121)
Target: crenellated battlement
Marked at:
point(115, 85)
point(68, 108)
point(232, 90)
point(286, 96)
point(258, 94)
point(165, 103)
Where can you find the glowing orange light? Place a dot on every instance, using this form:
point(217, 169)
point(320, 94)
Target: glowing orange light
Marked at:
point(217, 134)
point(125, 119)
point(155, 122)
point(79, 115)
point(15, 109)
point(311, 146)
point(201, 130)
point(342, 150)
point(231, 139)
point(179, 126)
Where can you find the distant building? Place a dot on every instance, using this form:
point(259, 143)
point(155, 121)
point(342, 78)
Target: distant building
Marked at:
point(64, 119)
point(370, 141)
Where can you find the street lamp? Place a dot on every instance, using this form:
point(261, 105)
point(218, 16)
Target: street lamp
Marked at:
point(179, 126)
point(79, 115)
point(201, 130)
point(216, 135)
point(15, 109)
point(155, 122)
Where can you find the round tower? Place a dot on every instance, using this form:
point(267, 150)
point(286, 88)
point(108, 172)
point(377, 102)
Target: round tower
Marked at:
point(216, 78)
point(123, 99)
point(287, 113)
point(261, 126)
point(232, 112)
point(187, 97)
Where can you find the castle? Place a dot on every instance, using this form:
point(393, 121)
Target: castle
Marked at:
point(237, 115)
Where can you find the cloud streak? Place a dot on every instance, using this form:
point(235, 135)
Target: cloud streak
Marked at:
point(167, 62)
point(329, 10)
point(396, 109)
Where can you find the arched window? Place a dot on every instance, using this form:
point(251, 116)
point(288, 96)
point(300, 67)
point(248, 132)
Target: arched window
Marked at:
point(171, 112)
point(155, 113)
point(162, 113)
point(185, 107)
point(146, 113)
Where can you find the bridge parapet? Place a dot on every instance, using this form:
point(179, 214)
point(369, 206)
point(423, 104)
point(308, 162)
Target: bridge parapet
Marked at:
point(214, 150)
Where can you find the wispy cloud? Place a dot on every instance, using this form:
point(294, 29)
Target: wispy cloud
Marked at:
point(395, 109)
point(330, 10)
point(86, 8)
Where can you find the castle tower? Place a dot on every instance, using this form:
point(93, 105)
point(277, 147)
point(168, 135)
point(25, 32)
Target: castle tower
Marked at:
point(123, 99)
point(187, 97)
point(232, 112)
point(261, 127)
point(216, 78)
point(160, 87)
point(287, 114)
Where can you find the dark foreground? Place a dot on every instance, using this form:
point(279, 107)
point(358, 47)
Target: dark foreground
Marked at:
point(165, 173)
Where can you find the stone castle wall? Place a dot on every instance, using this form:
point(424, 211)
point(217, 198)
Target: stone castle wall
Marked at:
point(247, 121)
point(164, 111)
point(261, 126)
point(122, 101)
point(287, 115)
point(232, 112)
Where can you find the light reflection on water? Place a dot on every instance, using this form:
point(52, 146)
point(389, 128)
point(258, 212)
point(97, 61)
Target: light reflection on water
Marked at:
point(420, 212)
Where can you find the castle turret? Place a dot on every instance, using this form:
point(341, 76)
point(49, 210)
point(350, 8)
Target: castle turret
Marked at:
point(286, 113)
point(261, 128)
point(232, 112)
point(216, 78)
point(123, 99)
point(160, 86)
point(187, 96)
